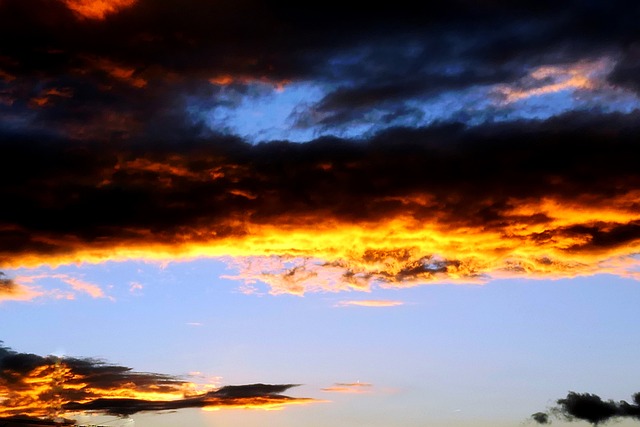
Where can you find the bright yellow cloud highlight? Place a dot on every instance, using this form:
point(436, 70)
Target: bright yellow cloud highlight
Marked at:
point(302, 255)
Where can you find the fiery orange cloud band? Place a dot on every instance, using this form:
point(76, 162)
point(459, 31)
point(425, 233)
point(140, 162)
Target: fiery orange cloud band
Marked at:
point(399, 210)
point(402, 251)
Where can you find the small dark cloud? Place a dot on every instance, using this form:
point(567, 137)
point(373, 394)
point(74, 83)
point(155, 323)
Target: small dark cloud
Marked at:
point(591, 408)
point(541, 418)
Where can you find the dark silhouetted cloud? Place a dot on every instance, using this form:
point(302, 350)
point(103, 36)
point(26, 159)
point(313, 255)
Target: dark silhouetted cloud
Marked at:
point(591, 408)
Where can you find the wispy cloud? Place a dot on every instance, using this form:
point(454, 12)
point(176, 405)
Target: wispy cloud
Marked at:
point(369, 303)
point(10, 290)
point(75, 284)
point(350, 388)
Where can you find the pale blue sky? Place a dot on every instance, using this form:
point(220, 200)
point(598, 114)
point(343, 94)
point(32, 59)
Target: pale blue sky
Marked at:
point(451, 355)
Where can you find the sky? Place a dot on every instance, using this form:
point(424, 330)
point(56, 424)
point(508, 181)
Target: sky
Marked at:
point(253, 213)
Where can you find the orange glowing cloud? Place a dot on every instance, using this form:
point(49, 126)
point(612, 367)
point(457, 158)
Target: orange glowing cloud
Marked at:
point(119, 72)
point(546, 202)
point(45, 98)
point(228, 79)
point(51, 387)
point(76, 285)
point(97, 9)
point(545, 238)
point(10, 290)
point(350, 388)
point(584, 75)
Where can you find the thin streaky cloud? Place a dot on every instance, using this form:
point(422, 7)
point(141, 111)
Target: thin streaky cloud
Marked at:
point(369, 303)
point(77, 285)
point(349, 388)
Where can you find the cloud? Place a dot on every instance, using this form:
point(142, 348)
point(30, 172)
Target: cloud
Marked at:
point(541, 418)
point(369, 303)
point(591, 408)
point(350, 388)
point(50, 386)
point(77, 286)
point(10, 290)
point(142, 67)
point(97, 9)
point(116, 144)
point(447, 203)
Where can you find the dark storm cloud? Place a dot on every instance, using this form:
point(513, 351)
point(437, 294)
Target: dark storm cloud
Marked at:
point(131, 71)
point(104, 133)
point(67, 196)
point(591, 408)
point(36, 386)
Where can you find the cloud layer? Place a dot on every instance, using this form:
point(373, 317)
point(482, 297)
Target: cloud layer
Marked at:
point(49, 387)
point(470, 139)
point(120, 68)
point(554, 198)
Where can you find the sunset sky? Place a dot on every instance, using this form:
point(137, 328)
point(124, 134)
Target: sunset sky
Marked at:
point(247, 213)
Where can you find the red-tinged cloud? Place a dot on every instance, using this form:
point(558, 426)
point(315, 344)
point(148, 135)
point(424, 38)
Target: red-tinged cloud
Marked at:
point(50, 387)
point(97, 9)
point(536, 199)
point(369, 303)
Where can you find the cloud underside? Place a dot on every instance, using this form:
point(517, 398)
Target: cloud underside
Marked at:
point(49, 387)
point(543, 199)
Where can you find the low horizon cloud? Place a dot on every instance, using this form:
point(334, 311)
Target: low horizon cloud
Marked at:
point(50, 387)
